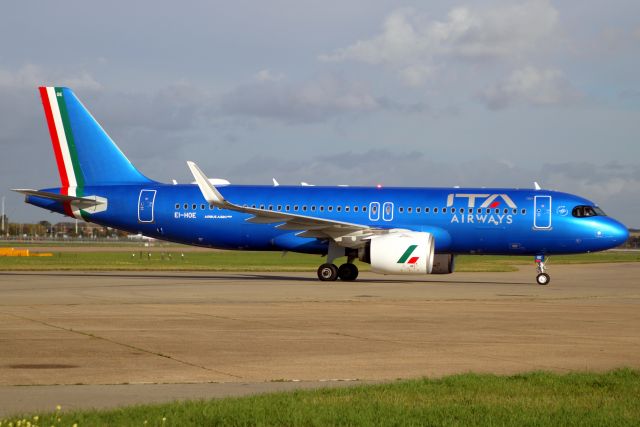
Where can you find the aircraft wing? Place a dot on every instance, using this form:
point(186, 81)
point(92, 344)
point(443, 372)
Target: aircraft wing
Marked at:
point(344, 233)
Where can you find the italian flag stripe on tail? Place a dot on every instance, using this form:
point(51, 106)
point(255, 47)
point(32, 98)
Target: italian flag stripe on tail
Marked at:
point(64, 149)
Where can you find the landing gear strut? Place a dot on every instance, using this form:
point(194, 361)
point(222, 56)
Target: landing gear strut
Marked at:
point(542, 278)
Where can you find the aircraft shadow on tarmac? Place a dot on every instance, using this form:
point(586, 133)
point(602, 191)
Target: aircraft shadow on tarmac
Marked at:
point(261, 277)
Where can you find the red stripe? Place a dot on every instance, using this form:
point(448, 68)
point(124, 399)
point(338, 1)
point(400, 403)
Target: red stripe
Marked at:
point(54, 136)
point(413, 260)
point(55, 142)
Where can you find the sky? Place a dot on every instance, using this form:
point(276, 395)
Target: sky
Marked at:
point(402, 93)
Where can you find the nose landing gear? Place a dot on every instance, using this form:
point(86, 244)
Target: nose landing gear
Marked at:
point(542, 278)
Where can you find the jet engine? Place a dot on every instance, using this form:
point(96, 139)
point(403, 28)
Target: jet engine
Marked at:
point(400, 252)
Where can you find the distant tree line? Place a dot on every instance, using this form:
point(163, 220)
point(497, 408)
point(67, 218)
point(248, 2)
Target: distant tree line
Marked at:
point(60, 230)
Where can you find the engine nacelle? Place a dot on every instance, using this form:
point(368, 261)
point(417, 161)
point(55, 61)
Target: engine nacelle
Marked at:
point(402, 252)
point(443, 264)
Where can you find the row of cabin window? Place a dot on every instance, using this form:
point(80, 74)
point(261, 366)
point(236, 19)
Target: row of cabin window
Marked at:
point(287, 208)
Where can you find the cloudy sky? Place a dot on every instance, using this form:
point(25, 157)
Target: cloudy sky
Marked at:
point(415, 93)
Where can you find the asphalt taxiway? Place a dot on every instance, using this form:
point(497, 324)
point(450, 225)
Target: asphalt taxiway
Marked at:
point(192, 335)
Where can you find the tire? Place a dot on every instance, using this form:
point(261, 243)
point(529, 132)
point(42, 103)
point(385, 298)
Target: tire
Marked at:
point(348, 272)
point(543, 279)
point(327, 272)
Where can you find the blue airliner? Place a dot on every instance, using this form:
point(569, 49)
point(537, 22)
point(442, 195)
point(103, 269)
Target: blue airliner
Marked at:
point(396, 230)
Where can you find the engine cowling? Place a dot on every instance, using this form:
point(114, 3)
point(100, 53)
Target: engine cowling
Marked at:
point(443, 264)
point(402, 252)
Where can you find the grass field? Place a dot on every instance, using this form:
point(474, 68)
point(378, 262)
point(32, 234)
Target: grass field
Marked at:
point(533, 399)
point(174, 260)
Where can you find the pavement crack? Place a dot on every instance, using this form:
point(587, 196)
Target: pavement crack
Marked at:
point(122, 344)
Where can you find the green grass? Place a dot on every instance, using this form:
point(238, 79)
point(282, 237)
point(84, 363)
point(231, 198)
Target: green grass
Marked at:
point(172, 260)
point(533, 399)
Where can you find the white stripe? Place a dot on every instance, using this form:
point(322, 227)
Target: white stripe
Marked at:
point(74, 209)
point(62, 137)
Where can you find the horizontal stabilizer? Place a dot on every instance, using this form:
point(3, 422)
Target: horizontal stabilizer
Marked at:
point(91, 204)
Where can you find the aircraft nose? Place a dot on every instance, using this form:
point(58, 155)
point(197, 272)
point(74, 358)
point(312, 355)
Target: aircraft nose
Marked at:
point(614, 231)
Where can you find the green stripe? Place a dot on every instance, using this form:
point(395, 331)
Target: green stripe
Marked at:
point(407, 254)
point(73, 151)
point(83, 214)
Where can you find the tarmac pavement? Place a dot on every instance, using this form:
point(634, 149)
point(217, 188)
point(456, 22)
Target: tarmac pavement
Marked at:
point(100, 339)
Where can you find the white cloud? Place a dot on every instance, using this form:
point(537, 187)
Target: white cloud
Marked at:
point(267, 75)
point(314, 100)
point(31, 76)
point(409, 42)
point(530, 86)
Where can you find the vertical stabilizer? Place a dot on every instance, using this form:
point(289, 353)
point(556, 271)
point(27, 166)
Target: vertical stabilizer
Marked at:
point(85, 154)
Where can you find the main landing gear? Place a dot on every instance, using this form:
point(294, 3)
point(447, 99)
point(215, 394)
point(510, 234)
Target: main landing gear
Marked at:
point(329, 272)
point(542, 278)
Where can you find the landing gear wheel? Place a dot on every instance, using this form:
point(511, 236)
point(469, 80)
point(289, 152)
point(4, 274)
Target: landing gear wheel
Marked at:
point(327, 272)
point(543, 279)
point(348, 272)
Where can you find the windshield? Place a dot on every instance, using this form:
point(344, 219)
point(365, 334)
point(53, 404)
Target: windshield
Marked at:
point(586, 211)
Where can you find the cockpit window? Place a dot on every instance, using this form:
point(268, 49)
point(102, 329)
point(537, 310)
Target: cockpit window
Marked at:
point(599, 211)
point(586, 211)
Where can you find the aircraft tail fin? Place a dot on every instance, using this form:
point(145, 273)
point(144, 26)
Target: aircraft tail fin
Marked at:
point(84, 153)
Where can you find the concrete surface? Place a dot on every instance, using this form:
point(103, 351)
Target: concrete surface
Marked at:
point(261, 328)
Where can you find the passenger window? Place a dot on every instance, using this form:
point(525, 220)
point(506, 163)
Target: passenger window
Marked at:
point(177, 205)
point(313, 208)
point(479, 210)
point(194, 206)
point(338, 208)
point(253, 206)
point(488, 211)
point(286, 208)
point(409, 210)
point(304, 208)
point(270, 207)
point(426, 210)
point(515, 211)
point(461, 210)
point(346, 208)
point(435, 210)
point(210, 207)
point(295, 208)
point(261, 206)
point(329, 208)
point(321, 208)
point(497, 210)
point(364, 209)
point(506, 210)
point(186, 206)
point(444, 210)
point(417, 210)
point(279, 207)
point(523, 211)
point(355, 209)
point(400, 210)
